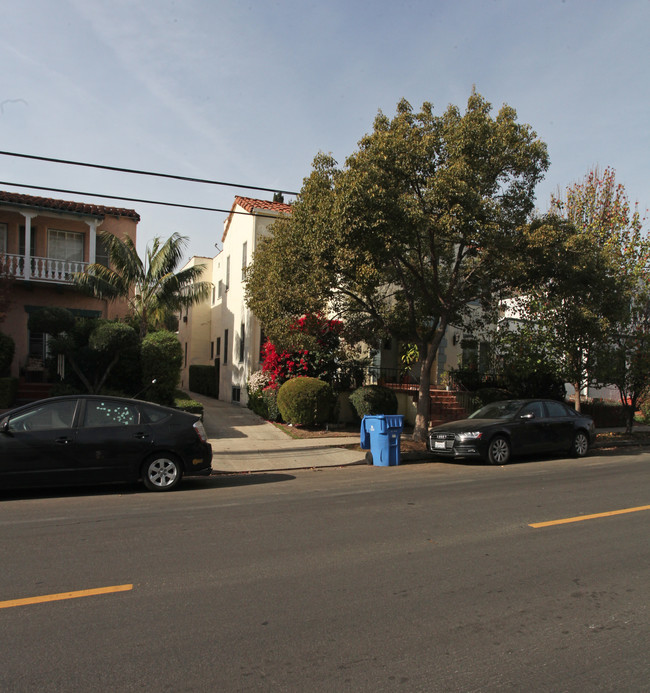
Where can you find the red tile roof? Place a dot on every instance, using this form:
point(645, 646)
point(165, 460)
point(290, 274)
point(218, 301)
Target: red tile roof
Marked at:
point(253, 206)
point(49, 204)
point(250, 204)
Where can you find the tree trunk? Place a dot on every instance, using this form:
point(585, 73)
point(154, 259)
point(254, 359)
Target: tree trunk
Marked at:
point(629, 417)
point(424, 395)
point(576, 387)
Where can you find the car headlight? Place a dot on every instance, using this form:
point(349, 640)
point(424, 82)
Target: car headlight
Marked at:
point(469, 435)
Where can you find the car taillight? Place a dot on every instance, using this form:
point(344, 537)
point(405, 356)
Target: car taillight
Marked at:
point(200, 431)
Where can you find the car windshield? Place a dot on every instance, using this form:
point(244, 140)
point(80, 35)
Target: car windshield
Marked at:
point(497, 410)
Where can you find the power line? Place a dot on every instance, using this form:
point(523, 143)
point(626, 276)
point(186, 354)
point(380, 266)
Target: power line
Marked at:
point(143, 173)
point(132, 199)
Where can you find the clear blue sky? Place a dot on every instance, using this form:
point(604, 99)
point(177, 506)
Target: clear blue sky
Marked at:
point(248, 92)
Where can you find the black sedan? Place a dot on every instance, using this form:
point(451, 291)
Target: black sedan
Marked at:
point(500, 430)
point(87, 439)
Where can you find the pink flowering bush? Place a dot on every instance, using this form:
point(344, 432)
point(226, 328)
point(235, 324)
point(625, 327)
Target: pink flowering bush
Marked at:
point(318, 361)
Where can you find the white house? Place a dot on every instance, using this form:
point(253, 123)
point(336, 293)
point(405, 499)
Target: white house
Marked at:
point(224, 332)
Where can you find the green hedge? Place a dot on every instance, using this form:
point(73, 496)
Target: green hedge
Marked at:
point(373, 399)
point(183, 401)
point(162, 357)
point(203, 380)
point(305, 401)
point(8, 390)
point(605, 414)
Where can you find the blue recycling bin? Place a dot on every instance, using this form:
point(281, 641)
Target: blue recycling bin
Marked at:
point(381, 434)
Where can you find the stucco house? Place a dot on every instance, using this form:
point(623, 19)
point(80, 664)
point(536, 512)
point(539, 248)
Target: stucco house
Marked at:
point(235, 335)
point(43, 242)
point(225, 333)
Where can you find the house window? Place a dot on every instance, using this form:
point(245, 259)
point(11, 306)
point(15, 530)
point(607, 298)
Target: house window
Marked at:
point(211, 350)
point(214, 294)
point(227, 286)
point(225, 347)
point(236, 394)
point(3, 238)
point(101, 252)
point(218, 354)
point(65, 245)
point(242, 340)
point(244, 261)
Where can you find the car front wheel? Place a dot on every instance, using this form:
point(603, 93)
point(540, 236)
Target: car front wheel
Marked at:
point(162, 472)
point(499, 451)
point(580, 444)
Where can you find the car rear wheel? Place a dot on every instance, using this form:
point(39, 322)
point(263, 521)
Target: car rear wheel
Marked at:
point(580, 444)
point(162, 472)
point(499, 451)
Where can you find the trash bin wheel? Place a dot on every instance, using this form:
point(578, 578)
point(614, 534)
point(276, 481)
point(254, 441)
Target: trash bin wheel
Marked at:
point(369, 459)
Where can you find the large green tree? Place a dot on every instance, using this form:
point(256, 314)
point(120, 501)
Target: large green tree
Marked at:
point(589, 255)
point(625, 357)
point(92, 347)
point(422, 220)
point(154, 287)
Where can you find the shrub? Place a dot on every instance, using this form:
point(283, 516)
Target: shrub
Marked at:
point(8, 390)
point(270, 400)
point(373, 399)
point(203, 379)
point(184, 402)
point(162, 357)
point(644, 406)
point(256, 404)
point(7, 349)
point(605, 413)
point(255, 385)
point(490, 394)
point(306, 401)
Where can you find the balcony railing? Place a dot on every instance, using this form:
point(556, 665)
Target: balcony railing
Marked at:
point(41, 269)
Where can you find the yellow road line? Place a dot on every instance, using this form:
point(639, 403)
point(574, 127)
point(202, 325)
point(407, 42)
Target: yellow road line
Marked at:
point(580, 518)
point(65, 595)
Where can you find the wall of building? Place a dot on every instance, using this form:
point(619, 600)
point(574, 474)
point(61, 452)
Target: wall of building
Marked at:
point(195, 327)
point(28, 295)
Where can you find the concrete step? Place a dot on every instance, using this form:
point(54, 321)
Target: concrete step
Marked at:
point(31, 392)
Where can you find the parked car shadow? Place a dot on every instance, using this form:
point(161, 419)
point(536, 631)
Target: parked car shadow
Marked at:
point(190, 483)
point(225, 480)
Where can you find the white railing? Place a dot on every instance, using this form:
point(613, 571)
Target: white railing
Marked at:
point(41, 269)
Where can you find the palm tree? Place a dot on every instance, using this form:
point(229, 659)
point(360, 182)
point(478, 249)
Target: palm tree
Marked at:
point(153, 288)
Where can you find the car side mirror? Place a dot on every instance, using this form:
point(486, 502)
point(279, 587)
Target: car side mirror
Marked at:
point(5, 426)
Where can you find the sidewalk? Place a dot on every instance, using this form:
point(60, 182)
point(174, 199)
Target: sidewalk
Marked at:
point(243, 442)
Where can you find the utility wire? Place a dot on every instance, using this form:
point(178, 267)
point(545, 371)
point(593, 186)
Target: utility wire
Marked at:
point(144, 173)
point(133, 199)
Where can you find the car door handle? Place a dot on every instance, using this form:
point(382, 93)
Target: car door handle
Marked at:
point(63, 440)
point(140, 435)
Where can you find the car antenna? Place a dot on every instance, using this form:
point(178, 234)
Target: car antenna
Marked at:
point(145, 388)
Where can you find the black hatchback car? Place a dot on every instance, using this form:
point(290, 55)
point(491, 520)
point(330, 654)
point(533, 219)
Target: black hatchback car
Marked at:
point(88, 439)
point(500, 430)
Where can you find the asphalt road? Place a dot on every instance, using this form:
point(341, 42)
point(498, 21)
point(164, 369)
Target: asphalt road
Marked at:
point(426, 577)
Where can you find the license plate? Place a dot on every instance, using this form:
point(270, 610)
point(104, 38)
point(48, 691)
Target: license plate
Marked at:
point(439, 445)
